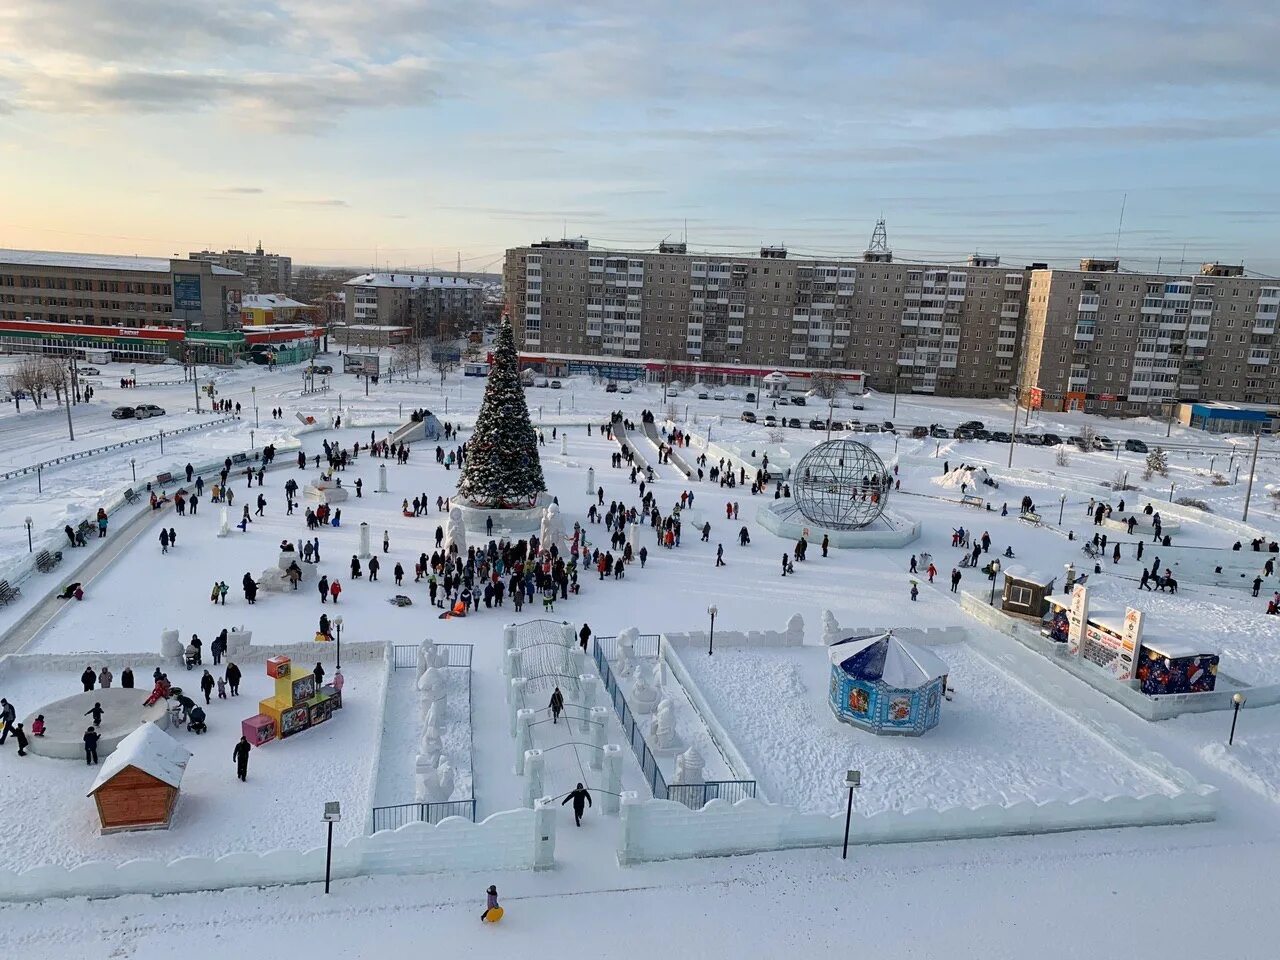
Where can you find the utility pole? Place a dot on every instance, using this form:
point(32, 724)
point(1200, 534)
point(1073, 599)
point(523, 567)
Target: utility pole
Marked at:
point(1253, 468)
point(71, 431)
point(1014, 434)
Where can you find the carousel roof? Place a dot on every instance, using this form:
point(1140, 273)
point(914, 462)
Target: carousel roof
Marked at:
point(887, 659)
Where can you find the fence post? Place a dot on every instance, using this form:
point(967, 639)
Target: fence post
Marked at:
point(534, 762)
point(513, 663)
point(544, 834)
point(515, 697)
point(612, 778)
point(587, 686)
point(599, 717)
point(524, 737)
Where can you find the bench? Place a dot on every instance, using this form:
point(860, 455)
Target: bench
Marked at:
point(163, 478)
point(7, 593)
point(239, 458)
point(46, 561)
point(86, 527)
point(131, 496)
point(1031, 518)
point(972, 500)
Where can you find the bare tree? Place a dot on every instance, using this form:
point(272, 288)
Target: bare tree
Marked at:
point(34, 376)
point(824, 383)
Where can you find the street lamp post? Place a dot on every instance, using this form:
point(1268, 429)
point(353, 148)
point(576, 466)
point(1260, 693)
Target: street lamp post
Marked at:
point(852, 780)
point(711, 637)
point(995, 572)
point(133, 468)
point(1062, 505)
point(332, 815)
point(337, 623)
point(1238, 701)
point(27, 521)
point(254, 391)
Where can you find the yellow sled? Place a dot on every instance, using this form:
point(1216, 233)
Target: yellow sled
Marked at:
point(492, 916)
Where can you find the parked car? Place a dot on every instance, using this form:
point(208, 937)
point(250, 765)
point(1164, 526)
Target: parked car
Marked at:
point(939, 432)
point(982, 434)
point(122, 413)
point(748, 416)
point(703, 395)
point(751, 396)
point(856, 406)
point(542, 382)
point(798, 400)
point(1104, 443)
point(718, 396)
point(999, 436)
point(144, 410)
point(840, 425)
point(770, 420)
point(1051, 439)
point(1135, 446)
point(89, 371)
point(555, 384)
point(972, 424)
point(816, 424)
point(625, 388)
point(887, 426)
point(611, 388)
point(1031, 439)
point(919, 432)
point(1078, 441)
point(964, 433)
point(871, 428)
point(321, 368)
point(794, 423)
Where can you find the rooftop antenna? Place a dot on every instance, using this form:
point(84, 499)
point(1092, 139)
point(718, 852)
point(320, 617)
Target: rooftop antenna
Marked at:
point(459, 262)
point(685, 236)
point(1182, 264)
point(879, 238)
point(1124, 200)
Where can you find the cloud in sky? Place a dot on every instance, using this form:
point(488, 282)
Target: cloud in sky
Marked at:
point(481, 123)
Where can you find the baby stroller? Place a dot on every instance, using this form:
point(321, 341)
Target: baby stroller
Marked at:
point(191, 656)
point(196, 722)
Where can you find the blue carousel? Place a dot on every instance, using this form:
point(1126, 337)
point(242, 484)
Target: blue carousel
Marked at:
point(886, 685)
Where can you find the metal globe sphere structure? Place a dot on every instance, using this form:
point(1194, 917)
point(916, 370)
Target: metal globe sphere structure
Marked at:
point(840, 484)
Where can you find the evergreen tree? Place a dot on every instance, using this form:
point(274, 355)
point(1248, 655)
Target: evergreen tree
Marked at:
point(1157, 462)
point(503, 469)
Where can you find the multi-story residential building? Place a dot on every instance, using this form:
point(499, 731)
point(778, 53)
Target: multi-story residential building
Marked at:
point(118, 291)
point(422, 302)
point(950, 330)
point(1103, 340)
point(264, 272)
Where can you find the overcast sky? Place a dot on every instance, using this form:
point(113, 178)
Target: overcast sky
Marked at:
point(410, 130)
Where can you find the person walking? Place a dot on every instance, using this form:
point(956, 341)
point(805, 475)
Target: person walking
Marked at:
point(90, 746)
point(206, 687)
point(955, 580)
point(584, 636)
point(556, 705)
point(164, 540)
point(720, 555)
point(581, 798)
point(323, 587)
point(318, 673)
point(233, 678)
point(398, 572)
point(374, 566)
point(241, 756)
point(7, 716)
point(96, 712)
point(20, 735)
point(335, 588)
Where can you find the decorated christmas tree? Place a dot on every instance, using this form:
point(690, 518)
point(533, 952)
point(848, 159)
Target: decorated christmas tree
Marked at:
point(502, 468)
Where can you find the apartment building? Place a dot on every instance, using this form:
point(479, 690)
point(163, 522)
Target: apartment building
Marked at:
point(418, 301)
point(264, 272)
point(1108, 341)
point(118, 291)
point(947, 330)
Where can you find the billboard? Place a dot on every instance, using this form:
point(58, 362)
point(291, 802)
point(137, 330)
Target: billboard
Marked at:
point(233, 307)
point(361, 364)
point(186, 291)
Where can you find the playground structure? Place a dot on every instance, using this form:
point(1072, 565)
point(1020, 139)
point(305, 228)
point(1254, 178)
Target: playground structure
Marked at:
point(123, 710)
point(296, 706)
point(886, 685)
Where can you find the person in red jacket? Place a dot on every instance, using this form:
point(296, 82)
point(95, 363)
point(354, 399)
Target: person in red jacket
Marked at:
point(335, 588)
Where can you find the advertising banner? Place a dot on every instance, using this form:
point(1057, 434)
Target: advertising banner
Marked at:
point(362, 364)
point(1077, 618)
point(186, 291)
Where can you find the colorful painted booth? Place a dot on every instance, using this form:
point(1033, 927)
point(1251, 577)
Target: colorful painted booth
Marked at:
point(886, 685)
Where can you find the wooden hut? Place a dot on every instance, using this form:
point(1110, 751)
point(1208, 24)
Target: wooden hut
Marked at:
point(137, 785)
point(1025, 592)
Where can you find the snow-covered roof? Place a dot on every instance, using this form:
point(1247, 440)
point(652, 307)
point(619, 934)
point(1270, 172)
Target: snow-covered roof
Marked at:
point(100, 261)
point(411, 280)
point(150, 750)
point(92, 261)
point(889, 659)
point(1027, 575)
point(270, 301)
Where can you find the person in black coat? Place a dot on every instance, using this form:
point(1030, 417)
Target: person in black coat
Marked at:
point(241, 756)
point(88, 678)
point(96, 712)
point(90, 746)
point(580, 798)
point(21, 736)
point(206, 687)
point(126, 678)
point(318, 673)
point(250, 588)
point(584, 636)
point(556, 705)
point(233, 678)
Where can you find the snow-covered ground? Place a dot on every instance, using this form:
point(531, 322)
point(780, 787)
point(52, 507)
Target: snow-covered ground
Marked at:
point(997, 738)
point(998, 742)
